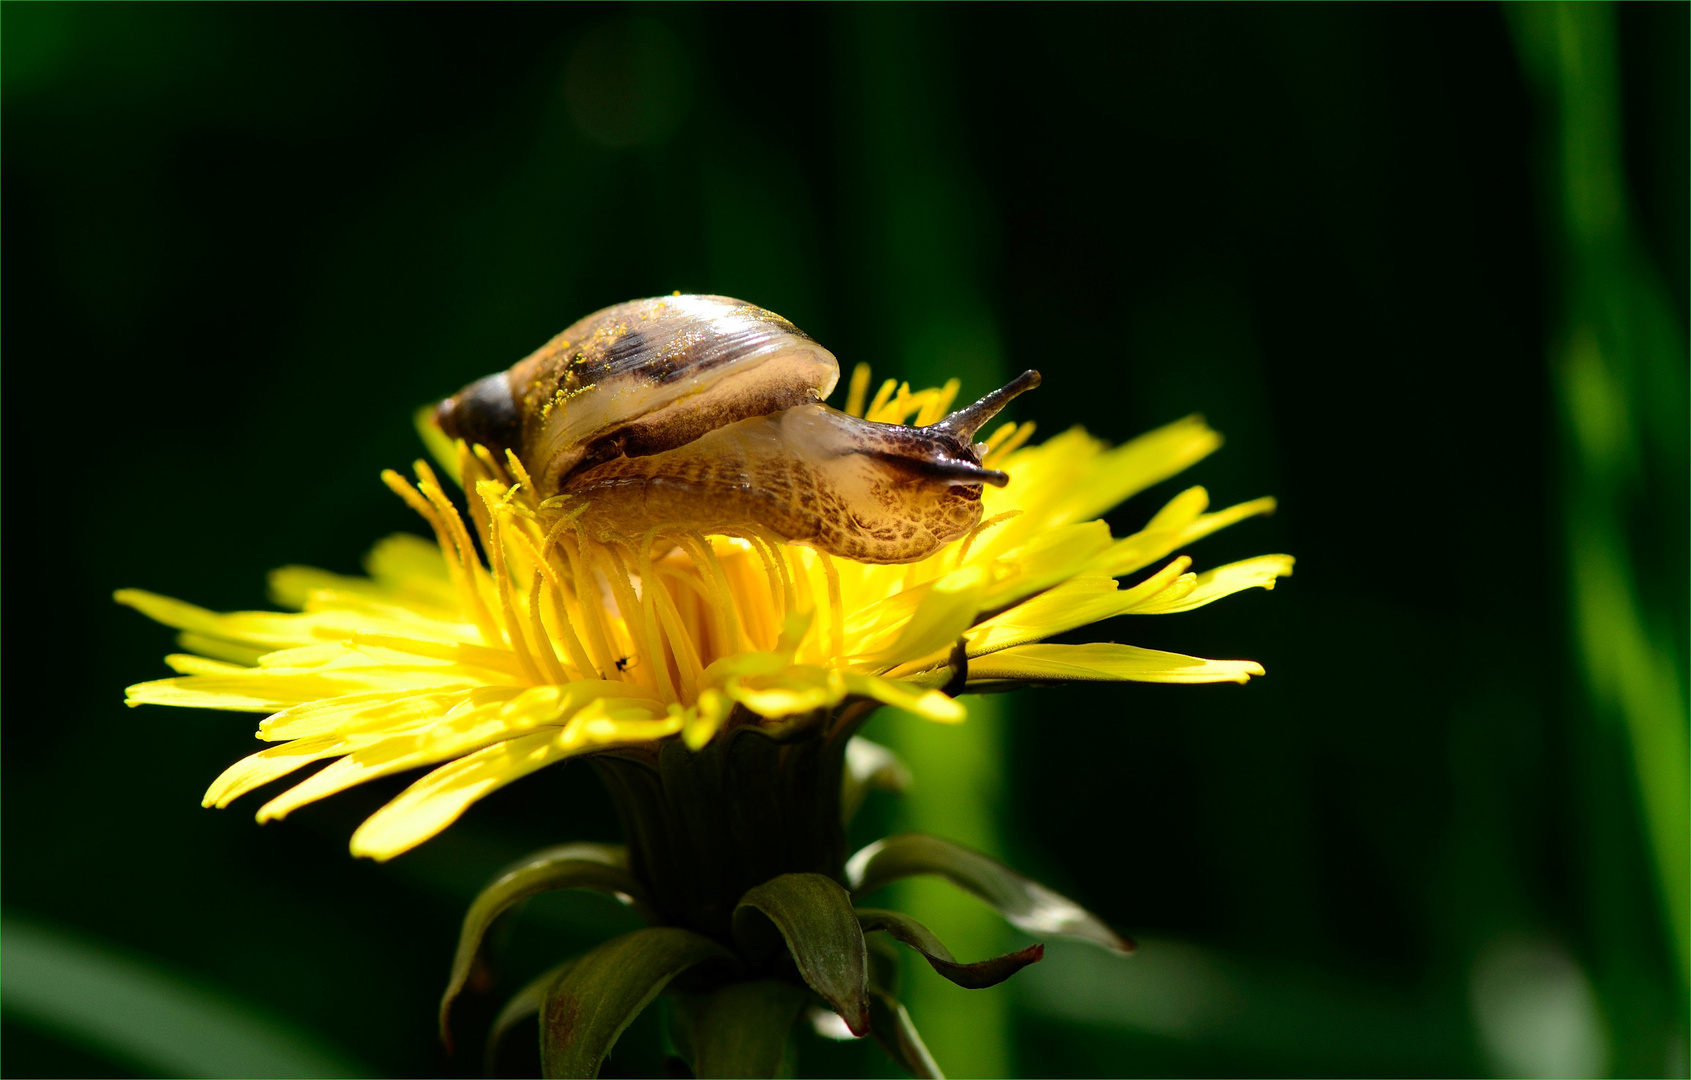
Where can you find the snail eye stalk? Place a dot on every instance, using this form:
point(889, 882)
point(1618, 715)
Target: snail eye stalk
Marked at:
point(962, 424)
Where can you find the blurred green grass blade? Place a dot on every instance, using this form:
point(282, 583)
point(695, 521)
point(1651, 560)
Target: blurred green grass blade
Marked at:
point(958, 784)
point(1273, 1014)
point(1618, 356)
point(125, 1008)
point(927, 243)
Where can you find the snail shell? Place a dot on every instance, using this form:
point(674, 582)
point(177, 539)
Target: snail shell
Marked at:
point(705, 413)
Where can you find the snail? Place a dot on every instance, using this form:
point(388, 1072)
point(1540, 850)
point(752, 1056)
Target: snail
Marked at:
point(705, 413)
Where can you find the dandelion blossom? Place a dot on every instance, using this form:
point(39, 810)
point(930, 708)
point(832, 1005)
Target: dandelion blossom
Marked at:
point(513, 641)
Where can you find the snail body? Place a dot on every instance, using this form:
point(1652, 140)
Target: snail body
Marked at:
point(704, 413)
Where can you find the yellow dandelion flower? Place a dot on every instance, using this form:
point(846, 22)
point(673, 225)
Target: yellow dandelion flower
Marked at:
point(513, 641)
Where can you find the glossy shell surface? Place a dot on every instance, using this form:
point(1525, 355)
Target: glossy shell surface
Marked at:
point(650, 375)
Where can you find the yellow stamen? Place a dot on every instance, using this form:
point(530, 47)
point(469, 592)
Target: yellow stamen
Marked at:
point(557, 593)
point(502, 583)
point(642, 630)
point(724, 600)
point(543, 642)
point(858, 390)
point(938, 403)
point(592, 610)
point(969, 540)
point(882, 396)
point(653, 594)
point(1019, 435)
point(468, 595)
point(836, 613)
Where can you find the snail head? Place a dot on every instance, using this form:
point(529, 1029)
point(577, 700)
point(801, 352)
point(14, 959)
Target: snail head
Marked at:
point(896, 493)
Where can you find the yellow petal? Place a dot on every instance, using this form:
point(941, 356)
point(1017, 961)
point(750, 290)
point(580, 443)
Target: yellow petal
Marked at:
point(1052, 556)
point(1105, 663)
point(929, 704)
point(250, 627)
point(948, 609)
point(292, 586)
point(218, 648)
point(746, 665)
point(789, 699)
point(400, 747)
point(503, 661)
point(869, 623)
point(755, 664)
point(1072, 604)
point(440, 446)
point(344, 609)
point(1109, 478)
point(702, 722)
point(793, 630)
point(1039, 476)
point(1212, 585)
point(199, 665)
point(1147, 546)
point(211, 692)
point(1181, 510)
point(437, 800)
point(412, 566)
point(354, 712)
point(796, 691)
point(271, 691)
point(256, 770)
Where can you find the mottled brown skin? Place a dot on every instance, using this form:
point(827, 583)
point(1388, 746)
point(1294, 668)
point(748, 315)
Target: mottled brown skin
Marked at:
point(702, 413)
point(891, 513)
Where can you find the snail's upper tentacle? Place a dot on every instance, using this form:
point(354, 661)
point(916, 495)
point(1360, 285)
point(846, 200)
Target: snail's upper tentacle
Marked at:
point(963, 423)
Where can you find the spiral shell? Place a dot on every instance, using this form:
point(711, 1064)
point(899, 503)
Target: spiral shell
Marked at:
point(640, 378)
point(704, 413)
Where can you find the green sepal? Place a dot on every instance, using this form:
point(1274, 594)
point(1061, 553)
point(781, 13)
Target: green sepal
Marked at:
point(522, 1005)
point(976, 976)
point(594, 999)
point(1024, 903)
point(600, 867)
point(815, 918)
point(869, 766)
point(742, 1029)
point(898, 1036)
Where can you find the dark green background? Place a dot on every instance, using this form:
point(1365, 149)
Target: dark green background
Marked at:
point(242, 244)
